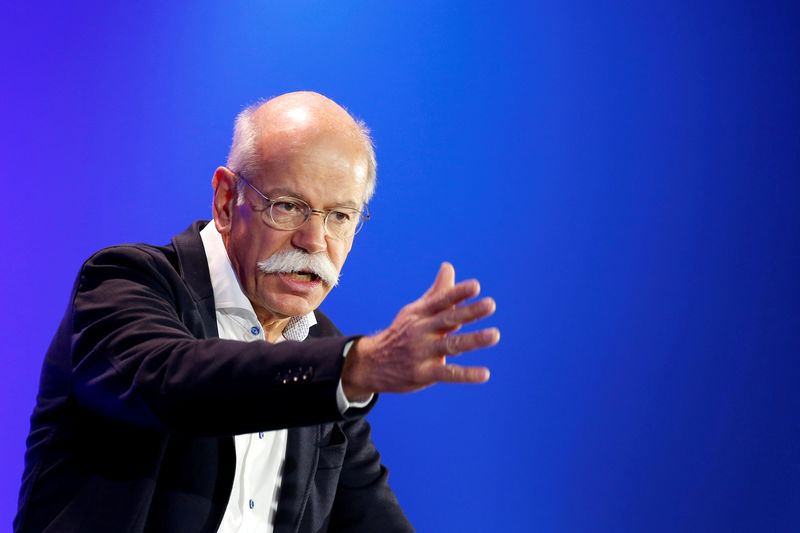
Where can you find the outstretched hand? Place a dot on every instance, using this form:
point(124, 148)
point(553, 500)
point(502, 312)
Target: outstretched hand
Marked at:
point(411, 354)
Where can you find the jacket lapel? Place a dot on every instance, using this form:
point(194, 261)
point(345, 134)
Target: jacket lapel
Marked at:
point(193, 268)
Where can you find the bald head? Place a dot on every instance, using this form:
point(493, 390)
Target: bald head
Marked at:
point(267, 131)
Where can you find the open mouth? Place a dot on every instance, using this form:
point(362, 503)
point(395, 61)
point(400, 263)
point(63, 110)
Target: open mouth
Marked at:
point(303, 276)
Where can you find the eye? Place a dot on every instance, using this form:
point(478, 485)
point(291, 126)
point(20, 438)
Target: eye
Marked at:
point(340, 217)
point(287, 206)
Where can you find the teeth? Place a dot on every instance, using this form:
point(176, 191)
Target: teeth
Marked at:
point(303, 276)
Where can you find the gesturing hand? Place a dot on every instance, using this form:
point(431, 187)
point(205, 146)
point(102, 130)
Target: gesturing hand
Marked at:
point(411, 353)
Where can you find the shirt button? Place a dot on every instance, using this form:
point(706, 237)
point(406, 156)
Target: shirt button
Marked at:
point(252, 504)
point(254, 330)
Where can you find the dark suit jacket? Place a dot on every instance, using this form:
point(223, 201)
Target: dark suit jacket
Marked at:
point(139, 399)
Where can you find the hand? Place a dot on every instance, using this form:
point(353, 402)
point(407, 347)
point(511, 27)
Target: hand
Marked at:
point(411, 354)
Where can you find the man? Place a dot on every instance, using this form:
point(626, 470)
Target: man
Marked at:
point(175, 396)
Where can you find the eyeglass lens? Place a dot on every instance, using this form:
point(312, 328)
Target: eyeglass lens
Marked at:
point(291, 213)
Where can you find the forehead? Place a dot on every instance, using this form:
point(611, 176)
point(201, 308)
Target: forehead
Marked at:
point(324, 167)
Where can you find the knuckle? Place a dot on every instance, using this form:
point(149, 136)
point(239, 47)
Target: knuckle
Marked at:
point(450, 319)
point(451, 344)
point(472, 312)
point(409, 309)
point(454, 374)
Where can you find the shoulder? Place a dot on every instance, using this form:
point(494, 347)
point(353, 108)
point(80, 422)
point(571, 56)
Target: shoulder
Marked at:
point(136, 253)
point(187, 243)
point(165, 261)
point(132, 261)
point(125, 270)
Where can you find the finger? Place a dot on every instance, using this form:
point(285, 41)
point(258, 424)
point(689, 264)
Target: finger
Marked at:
point(452, 319)
point(465, 342)
point(445, 279)
point(436, 302)
point(459, 374)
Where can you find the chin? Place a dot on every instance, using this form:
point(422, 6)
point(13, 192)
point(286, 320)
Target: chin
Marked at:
point(285, 301)
point(290, 306)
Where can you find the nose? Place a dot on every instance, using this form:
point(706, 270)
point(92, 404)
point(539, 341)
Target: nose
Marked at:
point(311, 235)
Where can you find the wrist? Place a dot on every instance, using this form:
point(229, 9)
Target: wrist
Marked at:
point(354, 374)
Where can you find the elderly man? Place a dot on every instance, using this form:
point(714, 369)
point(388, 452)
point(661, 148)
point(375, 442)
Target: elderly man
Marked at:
point(175, 395)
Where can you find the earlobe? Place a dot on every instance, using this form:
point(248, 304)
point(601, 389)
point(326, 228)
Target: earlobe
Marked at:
point(224, 199)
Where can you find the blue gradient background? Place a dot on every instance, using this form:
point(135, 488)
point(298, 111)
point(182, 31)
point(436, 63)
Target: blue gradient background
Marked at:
point(623, 179)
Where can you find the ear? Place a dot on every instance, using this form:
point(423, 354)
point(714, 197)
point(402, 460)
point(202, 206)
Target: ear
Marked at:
point(225, 197)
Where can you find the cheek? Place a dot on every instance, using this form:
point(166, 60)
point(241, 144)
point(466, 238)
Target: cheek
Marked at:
point(248, 248)
point(257, 245)
point(338, 253)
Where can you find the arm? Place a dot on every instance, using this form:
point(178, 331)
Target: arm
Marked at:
point(137, 357)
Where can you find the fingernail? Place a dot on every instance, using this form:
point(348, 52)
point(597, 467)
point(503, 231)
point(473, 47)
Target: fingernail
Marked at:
point(473, 286)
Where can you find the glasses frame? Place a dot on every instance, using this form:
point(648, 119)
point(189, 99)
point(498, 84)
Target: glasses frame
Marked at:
point(364, 211)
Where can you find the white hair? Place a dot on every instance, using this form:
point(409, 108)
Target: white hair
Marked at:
point(243, 156)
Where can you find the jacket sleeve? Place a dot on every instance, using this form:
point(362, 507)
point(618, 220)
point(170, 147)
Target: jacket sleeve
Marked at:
point(138, 356)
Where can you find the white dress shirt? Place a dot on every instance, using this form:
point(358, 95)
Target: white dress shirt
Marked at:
point(259, 456)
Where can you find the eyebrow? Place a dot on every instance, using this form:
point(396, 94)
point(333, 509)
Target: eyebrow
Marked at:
point(277, 192)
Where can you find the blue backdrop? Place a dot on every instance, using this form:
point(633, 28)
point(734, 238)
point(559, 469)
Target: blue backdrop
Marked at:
point(623, 178)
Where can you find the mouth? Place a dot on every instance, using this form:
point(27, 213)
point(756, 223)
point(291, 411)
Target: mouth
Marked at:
point(304, 276)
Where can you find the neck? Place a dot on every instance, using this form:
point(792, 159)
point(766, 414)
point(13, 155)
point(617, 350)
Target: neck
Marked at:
point(273, 327)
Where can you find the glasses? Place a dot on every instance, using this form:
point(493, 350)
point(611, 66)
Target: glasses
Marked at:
point(288, 213)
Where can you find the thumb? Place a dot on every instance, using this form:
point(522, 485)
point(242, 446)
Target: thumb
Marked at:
point(445, 279)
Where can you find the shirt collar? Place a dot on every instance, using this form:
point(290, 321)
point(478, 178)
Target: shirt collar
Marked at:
point(227, 291)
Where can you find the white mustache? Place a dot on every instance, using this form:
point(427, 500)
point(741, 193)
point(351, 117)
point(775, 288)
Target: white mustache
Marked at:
point(294, 260)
